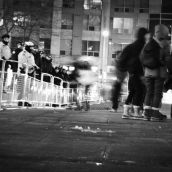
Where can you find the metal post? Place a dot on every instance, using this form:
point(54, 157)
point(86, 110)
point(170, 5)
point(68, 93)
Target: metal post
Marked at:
point(2, 81)
point(171, 112)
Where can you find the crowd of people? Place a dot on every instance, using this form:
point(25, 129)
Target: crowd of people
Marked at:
point(27, 58)
point(148, 63)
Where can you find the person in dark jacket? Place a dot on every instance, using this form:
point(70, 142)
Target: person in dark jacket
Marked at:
point(153, 58)
point(129, 61)
point(14, 57)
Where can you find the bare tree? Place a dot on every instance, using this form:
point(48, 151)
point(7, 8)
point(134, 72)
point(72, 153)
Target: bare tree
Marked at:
point(23, 17)
point(8, 23)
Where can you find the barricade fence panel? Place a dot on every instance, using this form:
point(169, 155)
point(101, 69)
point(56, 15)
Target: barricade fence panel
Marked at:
point(20, 89)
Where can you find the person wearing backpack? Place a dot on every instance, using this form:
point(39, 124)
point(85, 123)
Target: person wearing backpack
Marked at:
point(129, 61)
point(153, 58)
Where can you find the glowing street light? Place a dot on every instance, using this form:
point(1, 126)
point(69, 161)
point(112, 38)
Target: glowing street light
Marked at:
point(1, 22)
point(105, 33)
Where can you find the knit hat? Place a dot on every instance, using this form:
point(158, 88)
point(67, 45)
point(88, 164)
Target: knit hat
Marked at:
point(5, 36)
point(161, 31)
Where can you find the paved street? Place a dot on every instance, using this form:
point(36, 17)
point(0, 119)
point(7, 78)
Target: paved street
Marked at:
point(41, 140)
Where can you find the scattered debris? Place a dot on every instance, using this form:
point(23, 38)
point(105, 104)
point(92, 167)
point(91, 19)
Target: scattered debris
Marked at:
point(88, 129)
point(130, 162)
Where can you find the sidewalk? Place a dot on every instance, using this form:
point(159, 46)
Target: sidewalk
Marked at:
point(33, 140)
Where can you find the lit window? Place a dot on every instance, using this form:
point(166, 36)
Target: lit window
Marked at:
point(92, 4)
point(123, 25)
point(118, 25)
point(128, 25)
point(90, 48)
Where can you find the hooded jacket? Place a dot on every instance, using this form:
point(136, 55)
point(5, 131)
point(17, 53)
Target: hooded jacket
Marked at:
point(129, 59)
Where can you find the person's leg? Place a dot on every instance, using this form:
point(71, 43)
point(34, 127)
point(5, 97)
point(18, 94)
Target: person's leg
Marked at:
point(115, 94)
point(139, 93)
point(131, 90)
point(158, 93)
point(149, 83)
point(87, 102)
point(116, 90)
point(127, 106)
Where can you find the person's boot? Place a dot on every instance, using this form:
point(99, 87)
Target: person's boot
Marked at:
point(147, 113)
point(137, 114)
point(157, 116)
point(126, 114)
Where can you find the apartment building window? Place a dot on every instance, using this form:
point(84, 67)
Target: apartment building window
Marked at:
point(29, 4)
point(92, 4)
point(154, 19)
point(68, 3)
point(144, 6)
point(65, 47)
point(164, 18)
point(90, 48)
point(46, 19)
point(123, 25)
point(47, 3)
point(91, 22)
point(67, 21)
point(117, 49)
point(166, 6)
point(129, 6)
point(124, 6)
point(45, 42)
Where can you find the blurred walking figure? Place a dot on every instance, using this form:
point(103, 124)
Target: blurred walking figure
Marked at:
point(153, 58)
point(129, 61)
point(116, 89)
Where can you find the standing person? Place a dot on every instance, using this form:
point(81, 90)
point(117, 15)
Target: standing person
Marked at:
point(129, 61)
point(5, 51)
point(26, 61)
point(14, 64)
point(5, 54)
point(153, 58)
point(26, 64)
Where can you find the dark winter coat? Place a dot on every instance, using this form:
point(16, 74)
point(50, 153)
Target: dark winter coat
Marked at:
point(153, 59)
point(14, 65)
point(150, 56)
point(129, 59)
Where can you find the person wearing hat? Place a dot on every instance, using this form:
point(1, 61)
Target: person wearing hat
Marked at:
point(153, 58)
point(5, 51)
point(26, 61)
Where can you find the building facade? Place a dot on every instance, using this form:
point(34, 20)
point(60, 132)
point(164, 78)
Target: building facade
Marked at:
point(100, 28)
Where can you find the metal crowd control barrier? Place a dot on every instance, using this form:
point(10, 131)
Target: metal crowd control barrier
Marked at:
point(20, 89)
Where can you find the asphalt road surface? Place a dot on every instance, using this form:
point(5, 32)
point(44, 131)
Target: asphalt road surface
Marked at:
point(73, 141)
